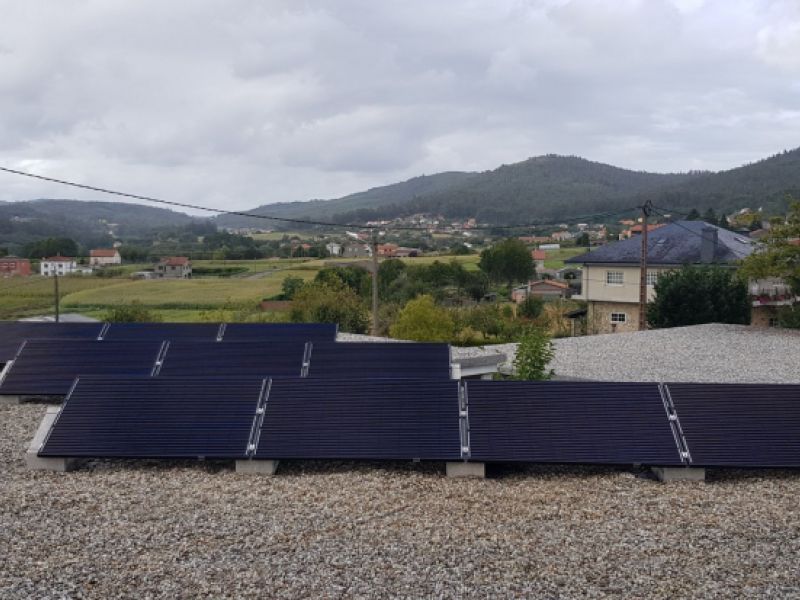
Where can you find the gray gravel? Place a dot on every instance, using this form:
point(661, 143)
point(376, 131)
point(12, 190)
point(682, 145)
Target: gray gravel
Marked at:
point(701, 353)
point(386, 530)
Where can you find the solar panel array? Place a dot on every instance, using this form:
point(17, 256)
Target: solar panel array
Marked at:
point(234, 359)
point(372, 419)
point(740, 425)
point(47, 367)
point(274, 391)
point(556, 422)
point(569, 422)
point(370, 360)
point(125, 417)
point(13, 333)
point(161, 331)
point(307, 332)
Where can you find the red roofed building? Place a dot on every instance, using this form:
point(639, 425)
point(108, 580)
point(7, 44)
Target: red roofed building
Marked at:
point(11, 266)
point(174, 267)
point(104, 256)
point(539, 257)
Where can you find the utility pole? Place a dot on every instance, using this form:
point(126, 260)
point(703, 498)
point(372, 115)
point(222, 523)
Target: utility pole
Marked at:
point(374, 282)
point(58, 297)
point(643, 270)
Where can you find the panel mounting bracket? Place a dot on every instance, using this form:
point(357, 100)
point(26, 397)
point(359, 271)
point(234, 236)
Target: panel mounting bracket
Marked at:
point(675, 424)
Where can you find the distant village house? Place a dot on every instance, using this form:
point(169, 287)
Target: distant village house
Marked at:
point(101, 257)
point(174, 267)
point(13, 266)
point(58, 265)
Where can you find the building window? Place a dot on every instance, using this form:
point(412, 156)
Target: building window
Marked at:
point(652, 277)
point(774, 322)
point(614, 277)
point(619, 317)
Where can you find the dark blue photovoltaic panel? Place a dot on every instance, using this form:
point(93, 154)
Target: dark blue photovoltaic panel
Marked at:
point(378, 419)
point(739, 425)
point(388, 360)
point(48, 367)
point(255, 360)
point(156, 417)
point(569, 422)
point(162, 331)
point(284, 332)
point(13, 333)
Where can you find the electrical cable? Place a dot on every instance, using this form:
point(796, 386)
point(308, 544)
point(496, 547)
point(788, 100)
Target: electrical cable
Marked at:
point(287, 219)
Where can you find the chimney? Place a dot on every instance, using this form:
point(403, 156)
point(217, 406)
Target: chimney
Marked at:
point(708, 245)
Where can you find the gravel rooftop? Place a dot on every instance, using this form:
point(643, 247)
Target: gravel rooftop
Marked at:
point(701, 353)
point(146, 529)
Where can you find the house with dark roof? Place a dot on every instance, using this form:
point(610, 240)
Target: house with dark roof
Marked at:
point(611, 273)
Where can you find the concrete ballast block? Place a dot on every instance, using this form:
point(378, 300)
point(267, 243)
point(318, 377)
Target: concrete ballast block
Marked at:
point(668, 474)
point(40, 463)
point(10, 400)
point(466, 469)
point(257, 467)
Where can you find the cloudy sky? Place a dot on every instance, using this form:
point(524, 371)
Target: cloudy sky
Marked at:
point(236, 103)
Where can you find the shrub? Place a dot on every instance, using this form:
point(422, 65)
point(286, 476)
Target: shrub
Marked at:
point(330, 302)
point(534, 353)
point(422, 321)
point(531, 307)
point(135, 312)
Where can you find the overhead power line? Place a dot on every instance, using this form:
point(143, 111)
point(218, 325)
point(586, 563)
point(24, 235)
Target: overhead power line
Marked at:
point(301, 221)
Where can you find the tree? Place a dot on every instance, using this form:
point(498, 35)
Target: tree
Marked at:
point(582, 240)
point(422, 321)
point(290, 287)
point(710, 217)
point(330, 302)
point(780, 256)
point(531, 307)
point(51, 247)
point(694, 295)
point(693, 215)
point(534, 353)
point(135, 312)
point(508, 261)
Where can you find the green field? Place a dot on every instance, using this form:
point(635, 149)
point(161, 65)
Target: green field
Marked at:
point(184, 294)
point(24, 297)
point(555, 258)
point(188, 299)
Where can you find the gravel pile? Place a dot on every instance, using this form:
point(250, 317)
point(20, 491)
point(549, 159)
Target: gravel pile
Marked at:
point(386, 530)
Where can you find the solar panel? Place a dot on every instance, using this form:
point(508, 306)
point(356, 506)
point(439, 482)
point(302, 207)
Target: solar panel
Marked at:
point(48, 367)
point(369, 419)
point(360, 360)
point(158, 417)
point(161, 331)
point(13, 333)
point(569, 422)
point(738, 424)
point(287, 332)
point(234, 359)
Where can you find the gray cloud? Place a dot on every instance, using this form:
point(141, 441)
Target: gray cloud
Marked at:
point(237, 104)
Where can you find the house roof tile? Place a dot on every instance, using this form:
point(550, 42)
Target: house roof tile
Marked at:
point(678, 243)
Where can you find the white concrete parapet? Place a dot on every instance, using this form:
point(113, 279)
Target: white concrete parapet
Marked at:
point(257, 467)
point(466, 469)
point(41, 463)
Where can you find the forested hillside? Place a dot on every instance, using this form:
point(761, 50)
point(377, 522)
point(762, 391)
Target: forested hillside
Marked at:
point(559, 187)
point(88, 223)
